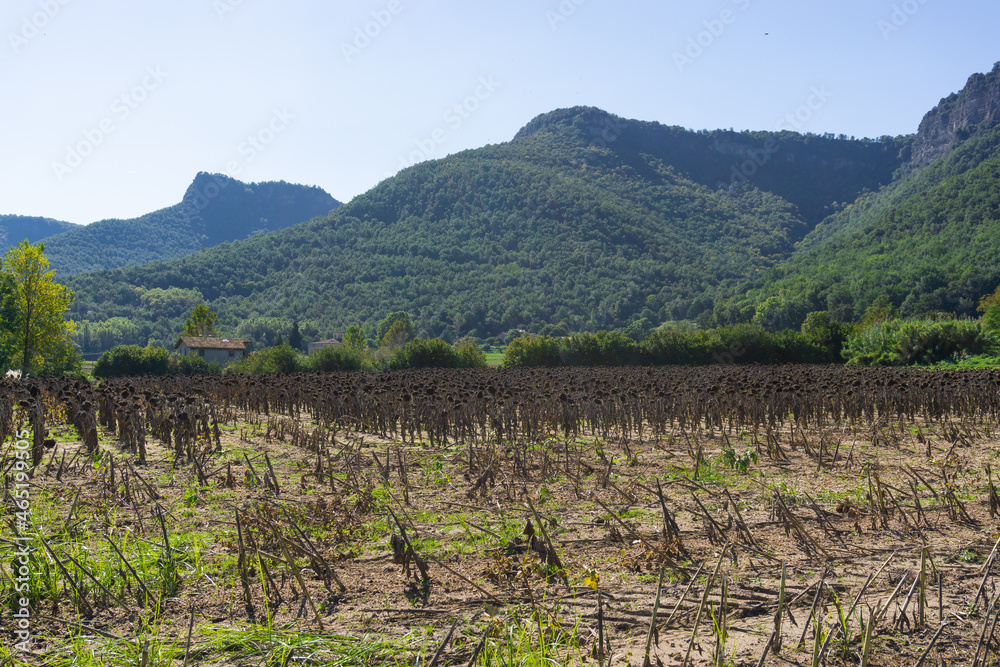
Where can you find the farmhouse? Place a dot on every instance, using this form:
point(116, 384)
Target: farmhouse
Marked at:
point(338, 339)
point(222, 350)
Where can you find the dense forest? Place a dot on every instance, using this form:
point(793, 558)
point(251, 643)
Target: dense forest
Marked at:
point(583, 221)
point(586, 221)
point(927, 243)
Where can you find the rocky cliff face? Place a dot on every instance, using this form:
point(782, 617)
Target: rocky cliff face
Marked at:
point(959, 116)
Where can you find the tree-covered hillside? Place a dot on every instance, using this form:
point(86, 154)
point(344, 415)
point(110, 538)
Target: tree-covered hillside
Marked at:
point(583, 221)
point(818, 174)
point(214, 209)
point(927, 242)
point(17, 228)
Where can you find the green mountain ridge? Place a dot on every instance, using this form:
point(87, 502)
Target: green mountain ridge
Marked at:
point(16, 228)
point(809, 171)
point(927, 242)
point(588, 221)
point(583, 221)
point(215, 208)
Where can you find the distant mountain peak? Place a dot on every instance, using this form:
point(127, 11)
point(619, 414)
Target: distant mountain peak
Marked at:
point(205, 183)
point(16, 228)
point(215, 209)
point(594, 123)
point(971, 111)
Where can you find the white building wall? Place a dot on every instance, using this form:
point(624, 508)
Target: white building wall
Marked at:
point(220, 356)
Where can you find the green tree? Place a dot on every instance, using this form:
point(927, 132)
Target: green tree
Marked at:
point(63, 358)
point(532, 351)
point(398, 335)
point(399, 324)
point(85, 341)
point(8, 322)
point(821, 328)
point(295, 337)
point(882, 310)
point(354, 339)
point(170, 302)
point(278, 359)
point(468, 354)
point(126, 360)
point(263, 331)
point(39, 304)
point(336, 358)
point(421, 353)
point(774, 314)
point(989, 306)
point(201, 323)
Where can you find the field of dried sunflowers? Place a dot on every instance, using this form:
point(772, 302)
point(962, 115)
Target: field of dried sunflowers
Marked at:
point(626, 516)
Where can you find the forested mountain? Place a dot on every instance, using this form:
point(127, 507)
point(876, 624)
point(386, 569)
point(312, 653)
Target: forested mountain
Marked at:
point(16, 228)
point(817, 174)
point(583, 221)
point(214, 209)
point(587, 221)
point(928, 242)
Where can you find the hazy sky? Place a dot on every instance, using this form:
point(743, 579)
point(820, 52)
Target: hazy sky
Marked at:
point(110, 107)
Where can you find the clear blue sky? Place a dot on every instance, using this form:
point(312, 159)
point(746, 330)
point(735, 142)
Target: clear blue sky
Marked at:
point(183, 84)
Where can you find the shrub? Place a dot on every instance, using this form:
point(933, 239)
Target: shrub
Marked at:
point(423, 353)
point(279, 359)
point(752, 344)
point(63, 359)
point(184, 365)
point(127, 360)
point(918, 341)
point(826, 332)
point(989, 306)
point(468, 354)
point(991, 319)
point(603, 349)
point(337, 358)
point(676, 348)
point(532, 351)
